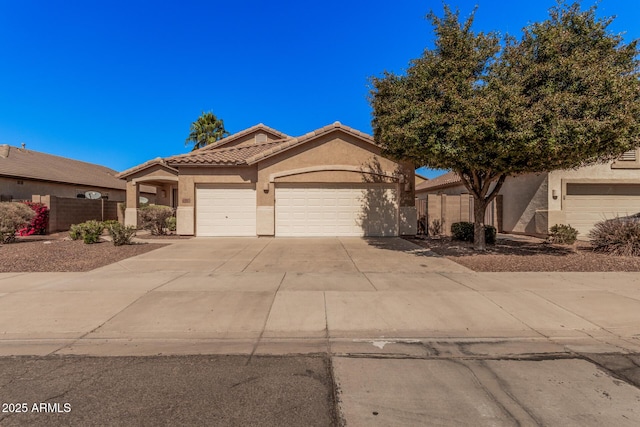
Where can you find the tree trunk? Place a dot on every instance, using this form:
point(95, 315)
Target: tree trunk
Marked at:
point(479, 209)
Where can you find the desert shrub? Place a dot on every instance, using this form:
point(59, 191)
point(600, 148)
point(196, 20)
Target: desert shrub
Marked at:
point(92, 231)
point(435, 229)
point(563, 234)
point(89, 231)
point(154, 218)
point(108, 223)
point(39, 223)
point(616, 236)
point(171, 223)
point(13, 216)
point(75, 231)
point(120, 234)
point(465, 231)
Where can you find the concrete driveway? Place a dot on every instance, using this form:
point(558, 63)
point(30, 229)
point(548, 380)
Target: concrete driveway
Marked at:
point(413, 338)
point(254, 295)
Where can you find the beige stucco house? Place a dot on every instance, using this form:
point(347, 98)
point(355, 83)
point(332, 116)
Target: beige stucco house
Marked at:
point(260, 182)
point(25, 172)
point(532, 203)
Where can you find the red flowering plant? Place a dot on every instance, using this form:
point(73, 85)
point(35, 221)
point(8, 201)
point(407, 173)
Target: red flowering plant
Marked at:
point(39, 223)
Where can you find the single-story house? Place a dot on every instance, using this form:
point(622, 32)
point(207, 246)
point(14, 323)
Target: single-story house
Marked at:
point(260, 182)
point(419, 179)
point(531, 203)
point(25, 172)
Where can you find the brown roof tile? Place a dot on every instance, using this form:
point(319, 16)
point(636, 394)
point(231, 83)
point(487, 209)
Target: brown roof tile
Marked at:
point(449, 179)
point(24, 163)
point(306, 137)
point(156, 161)
point(222, 156)
point(242, 133)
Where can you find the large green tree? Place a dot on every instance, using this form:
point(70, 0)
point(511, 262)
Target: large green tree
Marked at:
point(206, 130)
point(565, 95)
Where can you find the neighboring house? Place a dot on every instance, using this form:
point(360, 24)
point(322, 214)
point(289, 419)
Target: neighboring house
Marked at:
point(24, 173)
point(532, 203)
point(261, 182)
point(420, 179)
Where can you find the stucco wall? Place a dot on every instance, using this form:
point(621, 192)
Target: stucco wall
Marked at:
point(250, 139)
point(333, 150)
point(522, 197)
point(450, 191)
point(24, 191)
point(602, 173)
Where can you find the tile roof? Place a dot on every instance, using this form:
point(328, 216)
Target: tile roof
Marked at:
point(292, 142)
point(449, 179)
point(24, 163)
point(251, 154)
point(156, 161)
point(233, 156)
point(242, 133)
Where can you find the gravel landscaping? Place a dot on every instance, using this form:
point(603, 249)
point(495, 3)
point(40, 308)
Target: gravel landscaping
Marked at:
point(528, 255)
point(58, 253)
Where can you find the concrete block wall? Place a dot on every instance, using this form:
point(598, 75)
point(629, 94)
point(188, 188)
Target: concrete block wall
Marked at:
point(449, 209)
point(63, 212)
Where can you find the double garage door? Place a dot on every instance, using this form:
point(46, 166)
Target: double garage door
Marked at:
point(336, 210)
point(301, 210)
point(587, 204)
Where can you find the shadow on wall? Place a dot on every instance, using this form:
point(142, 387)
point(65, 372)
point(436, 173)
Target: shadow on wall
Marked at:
point(379, 215)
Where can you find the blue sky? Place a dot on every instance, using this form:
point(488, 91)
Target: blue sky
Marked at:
point(119, 82)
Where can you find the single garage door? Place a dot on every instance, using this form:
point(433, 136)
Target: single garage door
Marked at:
point(336, 210)
point(225, 211)
point(586, 204)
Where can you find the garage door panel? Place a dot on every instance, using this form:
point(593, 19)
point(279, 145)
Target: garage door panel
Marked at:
point(225, 211)
point(583, 212)
point(335, 210)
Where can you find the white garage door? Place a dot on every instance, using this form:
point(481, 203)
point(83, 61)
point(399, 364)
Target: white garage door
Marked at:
point(225, 211)
point(586, 204)
point(336, 210)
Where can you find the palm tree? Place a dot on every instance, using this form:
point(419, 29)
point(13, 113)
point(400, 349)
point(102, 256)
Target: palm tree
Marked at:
point(206, 130)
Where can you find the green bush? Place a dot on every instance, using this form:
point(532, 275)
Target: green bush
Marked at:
point(13, 216)
point(563, 234)
point(490, 234)
point(120, 234)
point(616, 236)
point(462, 231)
point(465, 231)
point(154, 218)
point(171, 223)
point(92, 231)
point(108, 223)
point(75, 231)
point(89, 231)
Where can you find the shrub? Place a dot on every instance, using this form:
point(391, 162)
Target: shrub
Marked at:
point(120, 234)
point(39, 223)
point(616, 236)
point(108, 223)
point(171, 223)
point(465, 231)
point(75, 231)
point(563, 234)
point(154, 218)
point(435, 229)
point(89, 231)
point(92, 231)
point(13, 216)
point(490, 234)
